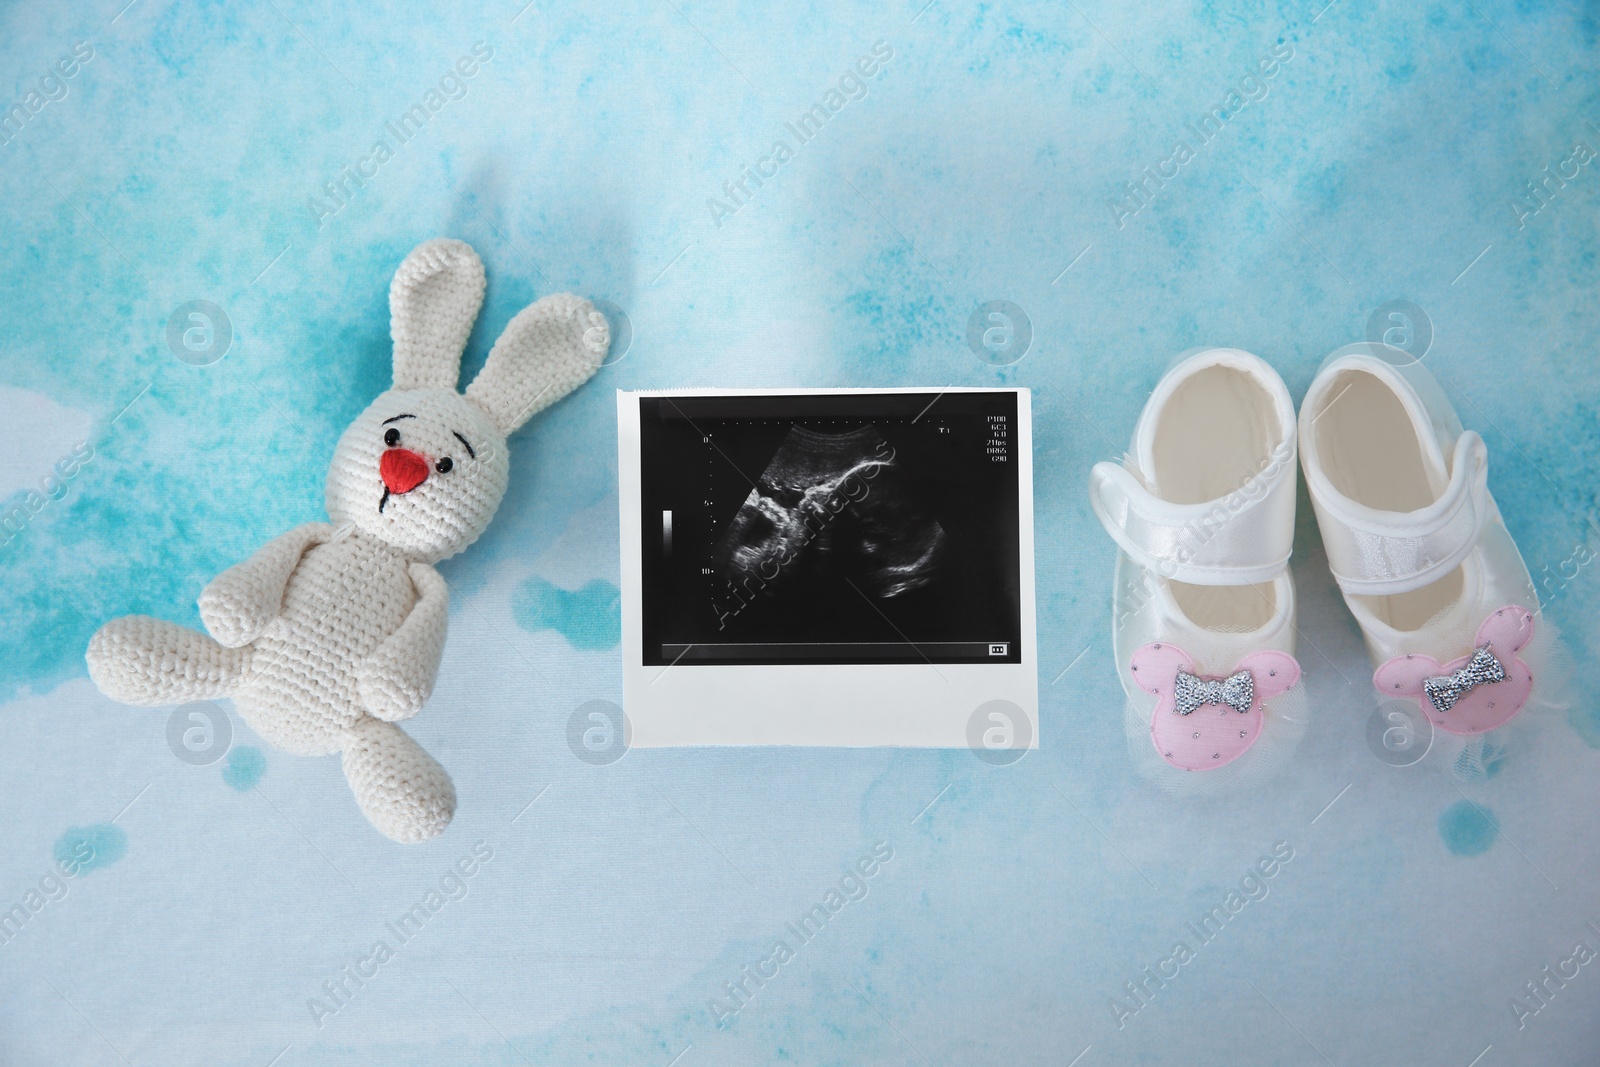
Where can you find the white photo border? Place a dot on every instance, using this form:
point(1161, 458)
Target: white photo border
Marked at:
point(912, 705)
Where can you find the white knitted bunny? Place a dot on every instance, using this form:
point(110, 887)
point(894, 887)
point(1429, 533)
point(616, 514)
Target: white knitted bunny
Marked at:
point(331, 634)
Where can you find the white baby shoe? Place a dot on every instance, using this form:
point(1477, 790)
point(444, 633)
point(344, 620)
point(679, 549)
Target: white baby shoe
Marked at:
point(1416, 543)
point(1204, 610)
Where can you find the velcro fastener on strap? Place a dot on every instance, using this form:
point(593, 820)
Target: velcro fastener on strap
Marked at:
point(1400, 552)
point(1241, 538)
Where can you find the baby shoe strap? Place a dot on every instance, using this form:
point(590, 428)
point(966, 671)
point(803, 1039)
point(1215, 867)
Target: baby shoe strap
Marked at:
point(1238, 539)
point(1382, 553)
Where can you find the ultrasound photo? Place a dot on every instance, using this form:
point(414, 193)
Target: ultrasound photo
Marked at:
point(833, 504)
point(846, 528)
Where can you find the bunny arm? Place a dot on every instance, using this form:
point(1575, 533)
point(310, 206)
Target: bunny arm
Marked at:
point(397, 679)
point(238, 604)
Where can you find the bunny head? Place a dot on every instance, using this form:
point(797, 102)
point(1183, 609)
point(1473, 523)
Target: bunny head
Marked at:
point(424, 467)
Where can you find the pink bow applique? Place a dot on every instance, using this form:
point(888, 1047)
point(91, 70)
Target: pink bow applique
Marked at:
point(1215, 730)
point(1477, 692)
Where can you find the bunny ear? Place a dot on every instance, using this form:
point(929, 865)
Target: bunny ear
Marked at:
point(433, 301)
point(553, 346)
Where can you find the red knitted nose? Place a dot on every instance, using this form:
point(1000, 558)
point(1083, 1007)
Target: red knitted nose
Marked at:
point(402, 470)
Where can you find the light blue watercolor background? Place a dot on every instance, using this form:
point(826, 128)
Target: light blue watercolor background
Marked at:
point(1381, 165)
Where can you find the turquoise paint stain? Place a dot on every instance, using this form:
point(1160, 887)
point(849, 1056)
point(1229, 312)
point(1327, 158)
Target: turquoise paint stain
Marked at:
point(1467, 829)
point(158, 531)
point(246, 764)
point(589, 618)
point(1585, 719)
point(91, 847)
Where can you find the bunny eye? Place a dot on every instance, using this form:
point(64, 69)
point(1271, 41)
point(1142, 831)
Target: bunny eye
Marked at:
point(391, 437)
point(444, 465)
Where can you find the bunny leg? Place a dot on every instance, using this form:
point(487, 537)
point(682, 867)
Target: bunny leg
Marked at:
point(401, 789)
point(140, 660)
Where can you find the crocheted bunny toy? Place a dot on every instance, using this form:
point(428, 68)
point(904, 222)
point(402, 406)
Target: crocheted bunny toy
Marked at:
point(332, 633)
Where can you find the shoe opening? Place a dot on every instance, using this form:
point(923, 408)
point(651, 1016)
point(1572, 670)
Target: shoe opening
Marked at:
point(1234, 609)
point(1212, 435)
point(1367, 445)
point(1417, 609)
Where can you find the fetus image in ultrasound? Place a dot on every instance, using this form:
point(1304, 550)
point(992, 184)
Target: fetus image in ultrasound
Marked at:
point(828, 507)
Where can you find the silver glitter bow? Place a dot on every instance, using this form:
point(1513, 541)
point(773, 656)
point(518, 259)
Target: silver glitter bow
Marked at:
point(1481, 669)
point(1237, 691)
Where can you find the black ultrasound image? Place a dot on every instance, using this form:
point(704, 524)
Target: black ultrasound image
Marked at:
point(851, 528)
point(832, 505)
